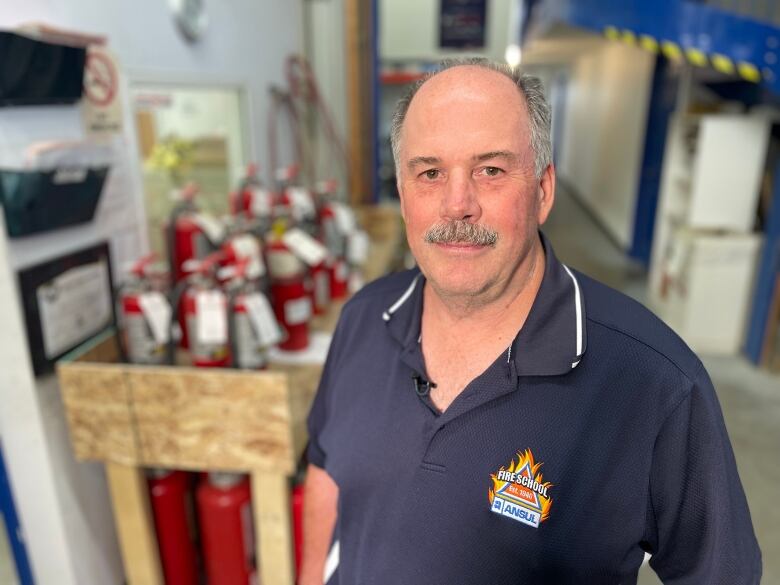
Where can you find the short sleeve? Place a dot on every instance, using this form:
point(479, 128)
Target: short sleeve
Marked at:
point(318, 415)
point(699, 528)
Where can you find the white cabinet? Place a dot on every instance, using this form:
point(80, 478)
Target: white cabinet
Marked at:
point(704, 252)
point(706, 287)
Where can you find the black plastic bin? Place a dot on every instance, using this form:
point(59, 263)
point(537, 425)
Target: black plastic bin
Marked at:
point(40, 201)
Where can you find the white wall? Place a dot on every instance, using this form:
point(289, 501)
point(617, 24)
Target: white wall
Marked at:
point(607, 100)
point(63, 504)
point(409, 30)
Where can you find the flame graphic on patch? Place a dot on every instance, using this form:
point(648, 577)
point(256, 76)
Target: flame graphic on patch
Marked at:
point(525, 496)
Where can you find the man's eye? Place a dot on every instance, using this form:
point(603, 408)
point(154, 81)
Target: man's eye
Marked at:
point(431, 174)
point(492, 171)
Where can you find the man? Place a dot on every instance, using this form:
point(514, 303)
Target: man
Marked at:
point(496, 417)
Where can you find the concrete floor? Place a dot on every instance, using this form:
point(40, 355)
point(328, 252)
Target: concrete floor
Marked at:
point(749, 397)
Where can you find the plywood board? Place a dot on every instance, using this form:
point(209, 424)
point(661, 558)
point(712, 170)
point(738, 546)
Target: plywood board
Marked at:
point(303, 382)
point(97, 405)
point(193, 418)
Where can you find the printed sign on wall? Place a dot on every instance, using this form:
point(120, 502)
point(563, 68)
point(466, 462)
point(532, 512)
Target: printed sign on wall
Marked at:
point(462, 24)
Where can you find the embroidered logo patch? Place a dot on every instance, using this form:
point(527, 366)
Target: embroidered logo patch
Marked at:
point(519, 492)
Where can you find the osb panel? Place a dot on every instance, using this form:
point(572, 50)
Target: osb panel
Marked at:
point(212, 419)
point(303, 381)
point(97, 408)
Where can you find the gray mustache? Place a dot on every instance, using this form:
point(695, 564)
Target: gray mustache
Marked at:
point(457, 232)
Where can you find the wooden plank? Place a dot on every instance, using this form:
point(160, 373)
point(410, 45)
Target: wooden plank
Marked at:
point(97, 407)
point(271, 502)
point(134, 524)
point(360, 85)
point(216, 419)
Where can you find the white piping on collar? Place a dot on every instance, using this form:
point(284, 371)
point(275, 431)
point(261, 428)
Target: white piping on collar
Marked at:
point(578, 310)
point(404, 297)
point(331, 562)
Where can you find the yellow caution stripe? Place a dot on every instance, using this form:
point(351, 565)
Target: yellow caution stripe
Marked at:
point(694, 56)
point(749, 71)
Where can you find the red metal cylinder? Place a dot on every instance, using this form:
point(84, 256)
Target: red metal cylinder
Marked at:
point(339, 278)
point(172, 509)
point(292, 307)
point(189, 241)
point(320, 290)
point(225, 519)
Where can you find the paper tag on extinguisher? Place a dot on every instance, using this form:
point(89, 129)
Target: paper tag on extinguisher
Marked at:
point(247, 246)
point(305, 247)
point(211, 226)
point(157, 313)
point(211, 313)
point(297, 311)
point(345, 218)
point(262, 318)
point(301, 202)
point(357, 247)
point(260, 202)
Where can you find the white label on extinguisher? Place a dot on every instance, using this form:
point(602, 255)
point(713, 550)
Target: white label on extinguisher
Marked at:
point(357, 247)
point(211, 226)
point(345, 218)
point(211, 323)
point(260, 202)
point(263, 319)
point(297, 311)
point(245, 246)
point(157, 312)
point(301, 202)
point(305, 247)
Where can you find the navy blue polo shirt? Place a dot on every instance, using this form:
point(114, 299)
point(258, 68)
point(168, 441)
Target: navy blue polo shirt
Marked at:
point(594, 437)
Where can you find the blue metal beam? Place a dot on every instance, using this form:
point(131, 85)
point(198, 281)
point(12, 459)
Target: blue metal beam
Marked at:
point(707, 35)
point(768, 270)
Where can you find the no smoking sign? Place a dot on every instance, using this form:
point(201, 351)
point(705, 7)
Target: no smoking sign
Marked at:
point(102, 109)
point(100, 79)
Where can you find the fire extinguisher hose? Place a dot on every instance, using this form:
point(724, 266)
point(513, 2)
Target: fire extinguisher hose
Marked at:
point(174, 300)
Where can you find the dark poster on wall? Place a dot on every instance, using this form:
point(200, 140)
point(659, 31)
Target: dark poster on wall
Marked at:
point(462, 24)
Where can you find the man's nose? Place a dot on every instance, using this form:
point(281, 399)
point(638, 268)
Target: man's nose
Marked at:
point(460, 198)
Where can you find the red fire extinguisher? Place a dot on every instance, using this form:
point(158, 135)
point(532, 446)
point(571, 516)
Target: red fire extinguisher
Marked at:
point(252, 200)
point(225, 520)
point(187, 236)
point(334, 240)
point(204, 307)
point(252, 328)
point(144, 335)
point(290, 298)
point(173, 512)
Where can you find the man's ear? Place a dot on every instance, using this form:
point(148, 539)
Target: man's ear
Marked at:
point(546, 193)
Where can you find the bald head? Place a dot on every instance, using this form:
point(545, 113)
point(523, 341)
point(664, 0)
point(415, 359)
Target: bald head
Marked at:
point(479, 78)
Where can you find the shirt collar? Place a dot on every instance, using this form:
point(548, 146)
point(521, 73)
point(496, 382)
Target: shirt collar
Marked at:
point(551, 342)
